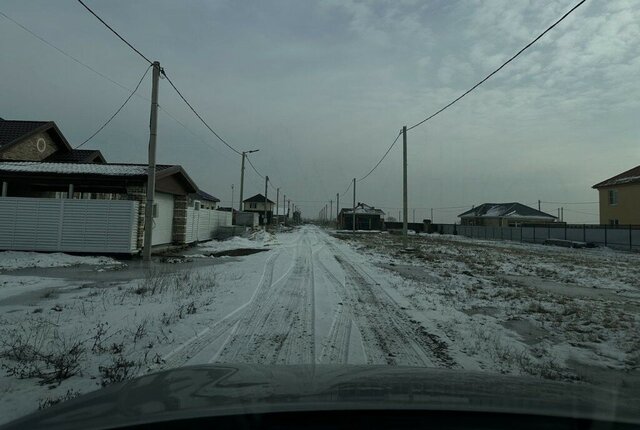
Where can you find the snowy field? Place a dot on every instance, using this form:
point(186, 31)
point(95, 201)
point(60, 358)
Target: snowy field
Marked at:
point(309, 297)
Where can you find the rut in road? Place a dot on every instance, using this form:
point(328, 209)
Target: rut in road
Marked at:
point(389, 335)
point(220, 328)
point(278, 327)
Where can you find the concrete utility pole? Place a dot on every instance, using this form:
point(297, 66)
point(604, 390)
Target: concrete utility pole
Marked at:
point(244, 154)
point(337, 208)
point(231, 200)
point(404, 185)
point(431, 215)
point(151, 168)
point(538, 204)
point(266, 189)
point(289, 207)
point(562, 213)
point(277, 204)
point(284, 206)
point(354, 205)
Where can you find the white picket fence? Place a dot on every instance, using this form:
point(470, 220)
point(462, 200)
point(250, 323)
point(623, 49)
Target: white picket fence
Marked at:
point(68, 225)
point(203, 224)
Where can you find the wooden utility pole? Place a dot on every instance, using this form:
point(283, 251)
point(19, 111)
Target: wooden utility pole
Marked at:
point(354, 205)
point(404, 185)
point(538, 204)
point(151, 167)
point(284, 206)
point(337, 208)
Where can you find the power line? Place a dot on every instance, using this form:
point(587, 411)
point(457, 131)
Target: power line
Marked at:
point(102, 75)
point(197, 114)
point(499, 68)
point(115, 32)
point(66, 54)
point(254, 168)
point(383, 157)
point(348, 188)
point(117, 111)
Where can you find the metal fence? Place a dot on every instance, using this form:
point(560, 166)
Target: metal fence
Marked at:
point(203, 224)
point(68, 225)
point(625, 237)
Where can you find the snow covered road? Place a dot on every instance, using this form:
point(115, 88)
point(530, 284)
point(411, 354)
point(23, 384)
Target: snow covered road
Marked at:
point(316, 302)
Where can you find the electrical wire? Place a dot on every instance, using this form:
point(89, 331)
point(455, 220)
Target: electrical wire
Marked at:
point(527, 46)
point(254, 168)
point(102, 75)
point(383, 157)
point(115, 32)
point(117, 111)
point(197, 114)
point(66, 54)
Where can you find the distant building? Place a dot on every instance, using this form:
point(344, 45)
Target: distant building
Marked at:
point(504, 214)
point(257, 204)
point(619, 198)
point(367, 218)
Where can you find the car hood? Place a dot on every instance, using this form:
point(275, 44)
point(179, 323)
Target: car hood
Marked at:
point(218, 390)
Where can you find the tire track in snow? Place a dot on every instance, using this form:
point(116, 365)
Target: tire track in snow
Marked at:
point(278, 327)
point(180, 355)
point(335, 348)
point(390, 336)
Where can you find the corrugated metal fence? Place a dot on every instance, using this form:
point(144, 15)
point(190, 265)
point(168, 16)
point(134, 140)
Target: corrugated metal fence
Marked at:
point(202, 224)
point(625, 237)
point(68, 225)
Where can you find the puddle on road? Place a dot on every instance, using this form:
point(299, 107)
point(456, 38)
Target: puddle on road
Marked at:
point(238, 252)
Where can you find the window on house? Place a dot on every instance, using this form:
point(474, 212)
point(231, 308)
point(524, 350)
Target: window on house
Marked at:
point(197, 205)
point(155, 210)
point(613, 197)
point(253, 205)
point(614, 221)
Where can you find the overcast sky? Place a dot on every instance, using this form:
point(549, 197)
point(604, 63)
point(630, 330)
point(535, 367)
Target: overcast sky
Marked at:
point(323, 87)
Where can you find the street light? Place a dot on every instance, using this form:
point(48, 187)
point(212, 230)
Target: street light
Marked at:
point(244, 154)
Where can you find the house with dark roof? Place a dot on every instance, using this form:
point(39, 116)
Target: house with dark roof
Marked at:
point(257, 205)
point(366, 217)
point(39, 169)
point(619, 198)
point(40, 141)
point(504, 215)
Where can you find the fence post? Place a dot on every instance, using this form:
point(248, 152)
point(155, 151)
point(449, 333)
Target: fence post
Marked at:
point(584, 233)
point(548, 231)
point(630, 238)
point(565, 232)
point(605, 235)
point(510, 233)
point(520, 232)
point(534, 234)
